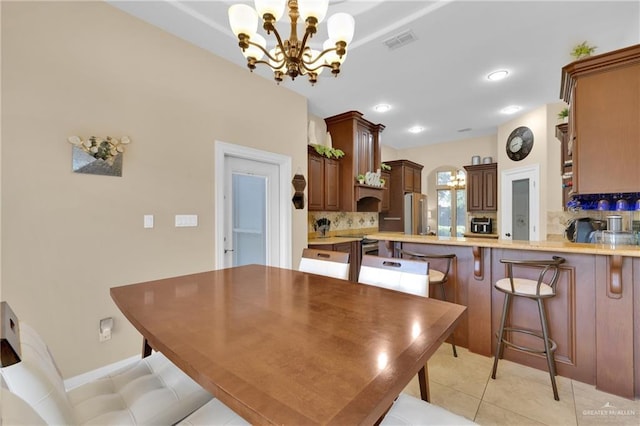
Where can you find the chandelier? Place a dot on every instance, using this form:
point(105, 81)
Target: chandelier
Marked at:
point(458, 181)
point(293, 56)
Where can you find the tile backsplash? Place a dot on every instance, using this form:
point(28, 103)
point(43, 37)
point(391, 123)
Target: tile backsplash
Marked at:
point(343, 222)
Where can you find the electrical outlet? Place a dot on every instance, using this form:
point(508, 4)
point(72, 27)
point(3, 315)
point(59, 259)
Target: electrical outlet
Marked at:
point(105, 335)
point(104, 330)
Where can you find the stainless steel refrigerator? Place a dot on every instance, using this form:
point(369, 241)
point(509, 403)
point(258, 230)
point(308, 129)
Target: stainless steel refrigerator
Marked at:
point(415, 213)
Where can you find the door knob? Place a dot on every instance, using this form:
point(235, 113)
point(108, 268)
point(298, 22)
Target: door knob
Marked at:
point(507, 234)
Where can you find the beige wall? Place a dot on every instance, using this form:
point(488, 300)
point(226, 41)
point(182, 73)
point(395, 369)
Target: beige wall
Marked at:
point(86, 68)
point(545, 152)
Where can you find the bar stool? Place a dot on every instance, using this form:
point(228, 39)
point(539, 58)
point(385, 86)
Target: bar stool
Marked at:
point(436, 278)
point(536, 290)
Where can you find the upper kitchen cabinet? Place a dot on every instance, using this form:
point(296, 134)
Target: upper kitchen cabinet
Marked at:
point(360, 141)
point(405, 176)
point(482, 187)
point(324, 179)
point(603, 93)
point(566, 163)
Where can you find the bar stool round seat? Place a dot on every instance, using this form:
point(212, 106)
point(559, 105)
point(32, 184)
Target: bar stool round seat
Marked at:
point(436, 277)
point(537, 290)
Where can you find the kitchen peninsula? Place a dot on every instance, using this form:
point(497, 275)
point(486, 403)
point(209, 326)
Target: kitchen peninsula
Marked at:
point(594, 317)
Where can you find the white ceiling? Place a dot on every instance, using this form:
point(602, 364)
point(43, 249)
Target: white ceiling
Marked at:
point(438, 81)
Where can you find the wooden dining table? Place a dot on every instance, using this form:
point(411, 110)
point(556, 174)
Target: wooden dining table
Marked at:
point(280, 346)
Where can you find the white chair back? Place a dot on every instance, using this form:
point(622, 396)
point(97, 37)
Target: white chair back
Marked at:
point(407, 276)
point(37, 380)
point(333, 264)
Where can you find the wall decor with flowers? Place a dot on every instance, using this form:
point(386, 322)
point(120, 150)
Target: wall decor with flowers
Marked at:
point(98, 156)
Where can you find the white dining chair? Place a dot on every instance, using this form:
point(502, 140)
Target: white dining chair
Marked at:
point(407, 276)
point(149, 391)
point(324, 262)
point(403, 275)
point(437, 278)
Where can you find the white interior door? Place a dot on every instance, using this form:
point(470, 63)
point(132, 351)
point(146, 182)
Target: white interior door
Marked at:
point(253, 208)
point(251, 218)
point(519, 203)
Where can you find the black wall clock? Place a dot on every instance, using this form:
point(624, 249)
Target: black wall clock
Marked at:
point(519, 143)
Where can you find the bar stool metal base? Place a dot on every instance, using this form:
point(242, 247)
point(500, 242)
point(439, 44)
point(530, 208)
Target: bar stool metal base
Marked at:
point(550, 346)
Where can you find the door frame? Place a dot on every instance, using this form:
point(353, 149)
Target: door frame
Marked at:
point(283, 162)
point(531, 172)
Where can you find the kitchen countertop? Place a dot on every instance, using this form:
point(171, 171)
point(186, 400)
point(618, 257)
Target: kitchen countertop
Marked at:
point(476, 235)
point(333, 240)
point(559, 246)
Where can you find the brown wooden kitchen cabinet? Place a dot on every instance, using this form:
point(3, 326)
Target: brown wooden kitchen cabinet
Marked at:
point(360, 141)
point(405, 176)
point(354, 250)
point(324, 182)
point(603, 96)
point(386, 193)
point(482, 187)
point(566, 162)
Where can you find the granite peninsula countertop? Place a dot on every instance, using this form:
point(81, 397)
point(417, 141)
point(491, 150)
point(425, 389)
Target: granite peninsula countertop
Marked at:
point(332, 240)
point(558, 246)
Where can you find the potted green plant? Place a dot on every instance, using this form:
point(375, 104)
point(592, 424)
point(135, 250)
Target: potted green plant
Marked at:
point(328, 151)
point(360, 178)
point(563, 115)
point(382, 181)
point(582, 50)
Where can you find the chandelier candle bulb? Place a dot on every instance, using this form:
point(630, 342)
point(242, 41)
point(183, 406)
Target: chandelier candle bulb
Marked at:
point(243, 19)
point(273, 7)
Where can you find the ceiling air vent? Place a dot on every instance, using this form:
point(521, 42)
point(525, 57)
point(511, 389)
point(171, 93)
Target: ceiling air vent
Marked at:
point(400, 40)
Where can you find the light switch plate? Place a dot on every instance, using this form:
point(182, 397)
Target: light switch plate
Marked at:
point(186, 220)
point(148, 221)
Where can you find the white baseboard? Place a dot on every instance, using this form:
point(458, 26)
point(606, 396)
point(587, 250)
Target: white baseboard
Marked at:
point(81, 379)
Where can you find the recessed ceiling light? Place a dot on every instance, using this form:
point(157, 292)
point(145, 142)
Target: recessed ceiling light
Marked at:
point(498, 75)
point(416, 129)
point(511, 109)
point(382, 107)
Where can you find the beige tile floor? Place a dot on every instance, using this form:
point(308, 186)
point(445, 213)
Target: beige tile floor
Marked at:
point(519, 396)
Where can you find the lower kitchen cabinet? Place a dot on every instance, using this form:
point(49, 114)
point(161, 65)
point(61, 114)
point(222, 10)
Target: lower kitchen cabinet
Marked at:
point(354, 250)
point(592, 318)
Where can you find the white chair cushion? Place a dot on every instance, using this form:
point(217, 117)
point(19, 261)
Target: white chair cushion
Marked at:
point(407, 410)
point(524, 286)
point(435, 275)
point(150, 391)
point(325, 267)
point(395, 280)
point(214, 413)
